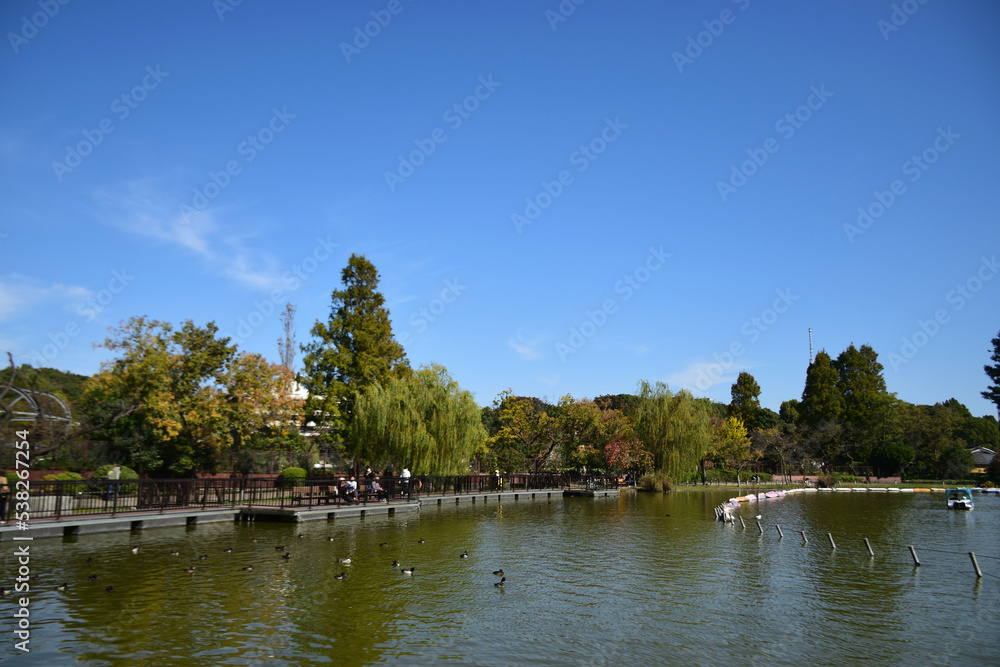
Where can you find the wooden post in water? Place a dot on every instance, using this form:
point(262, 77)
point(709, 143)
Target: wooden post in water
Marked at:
point(832, 544)
point(868, 544)
point(913, 552)
point(760, 528)
point(781, 535)
point(805, 540)
point(979, 573)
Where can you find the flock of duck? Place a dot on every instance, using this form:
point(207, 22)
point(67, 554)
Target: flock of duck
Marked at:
point(285, 554)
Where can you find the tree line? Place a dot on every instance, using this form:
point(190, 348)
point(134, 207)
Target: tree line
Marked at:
point(171, 398)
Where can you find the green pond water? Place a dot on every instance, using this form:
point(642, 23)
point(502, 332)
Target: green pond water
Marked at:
point(635, 579)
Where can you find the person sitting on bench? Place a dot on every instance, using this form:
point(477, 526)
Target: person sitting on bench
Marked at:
point(376, 488)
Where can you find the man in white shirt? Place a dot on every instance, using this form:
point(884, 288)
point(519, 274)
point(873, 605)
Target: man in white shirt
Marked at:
point(405, 476)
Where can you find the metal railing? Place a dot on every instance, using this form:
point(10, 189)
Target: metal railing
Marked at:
point(58, 500)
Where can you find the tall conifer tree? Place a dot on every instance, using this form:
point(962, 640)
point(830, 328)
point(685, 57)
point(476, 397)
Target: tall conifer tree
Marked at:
point(992, 392)
point(354, 349)
point(745, 404)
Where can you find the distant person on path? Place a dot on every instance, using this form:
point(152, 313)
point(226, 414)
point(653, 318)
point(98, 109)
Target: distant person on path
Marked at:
point(4, 494)
point(405, 476)
point(113, 476)
point(369, 474)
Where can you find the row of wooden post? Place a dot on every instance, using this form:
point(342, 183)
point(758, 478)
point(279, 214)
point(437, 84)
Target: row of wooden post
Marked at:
point(871, 553)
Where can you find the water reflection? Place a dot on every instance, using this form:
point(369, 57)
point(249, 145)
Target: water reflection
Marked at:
point(640, 578)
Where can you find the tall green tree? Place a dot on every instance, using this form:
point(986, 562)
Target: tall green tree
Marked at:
point(992, 392)
point(788, 413)
point(354, 349)
point(674, 428)
point(423, 420)
point(745, 403)
point(821, 398)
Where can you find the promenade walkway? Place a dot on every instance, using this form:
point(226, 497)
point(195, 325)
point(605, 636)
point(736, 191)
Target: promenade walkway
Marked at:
point(130, 518)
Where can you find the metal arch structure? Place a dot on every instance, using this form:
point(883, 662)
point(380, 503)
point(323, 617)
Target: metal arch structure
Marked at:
point(23, 407)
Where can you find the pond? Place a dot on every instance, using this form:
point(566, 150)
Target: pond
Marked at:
point(639, 579)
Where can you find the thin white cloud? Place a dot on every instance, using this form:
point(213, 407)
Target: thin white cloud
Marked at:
point(21, 293)
point(525, 344)
point(700, 376)
point(141, 208)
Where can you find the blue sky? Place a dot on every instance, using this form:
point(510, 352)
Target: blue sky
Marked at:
point(558, 202)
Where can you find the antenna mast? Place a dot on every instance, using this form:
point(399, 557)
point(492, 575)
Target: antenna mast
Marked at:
point(810, 346)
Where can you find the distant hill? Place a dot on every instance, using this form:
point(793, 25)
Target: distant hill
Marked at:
point(68, 386)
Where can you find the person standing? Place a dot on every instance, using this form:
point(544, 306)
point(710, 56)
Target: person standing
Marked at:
point(4, 494)
point(405, 476)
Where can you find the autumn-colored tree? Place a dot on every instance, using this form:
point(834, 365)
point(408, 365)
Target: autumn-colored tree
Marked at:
point(186, 394)
point(628, 456)
point(527, 435)
point(732, 446)
point(580, 432)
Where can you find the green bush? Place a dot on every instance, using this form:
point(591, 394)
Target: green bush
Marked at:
point(68, 477)
point(658, 482)
point(291, 476)
point(102, 474)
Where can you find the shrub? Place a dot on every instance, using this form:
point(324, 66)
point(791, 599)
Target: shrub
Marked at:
point(67, 477)
point(291, 476)
point(658, 482)
point(826, 482)
point(102, 474)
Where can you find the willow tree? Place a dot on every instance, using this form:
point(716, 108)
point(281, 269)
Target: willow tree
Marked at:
point(423, 420)
point(355, 349)
point(674, 428)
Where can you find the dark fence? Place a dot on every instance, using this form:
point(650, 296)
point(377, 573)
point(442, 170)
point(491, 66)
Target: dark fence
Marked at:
point(74, 499)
